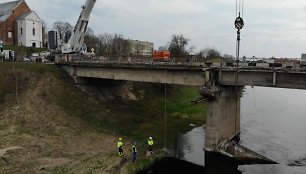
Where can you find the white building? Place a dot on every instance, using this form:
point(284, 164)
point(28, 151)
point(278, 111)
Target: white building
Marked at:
point(142, 48)
point(29, 30)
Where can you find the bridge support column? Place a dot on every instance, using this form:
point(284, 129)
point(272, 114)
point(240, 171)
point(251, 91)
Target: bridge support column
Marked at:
point(223, 116)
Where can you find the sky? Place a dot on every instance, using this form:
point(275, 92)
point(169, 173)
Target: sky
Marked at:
point(272, 27)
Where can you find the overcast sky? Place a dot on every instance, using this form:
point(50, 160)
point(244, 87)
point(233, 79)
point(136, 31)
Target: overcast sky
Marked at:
point(272, 27)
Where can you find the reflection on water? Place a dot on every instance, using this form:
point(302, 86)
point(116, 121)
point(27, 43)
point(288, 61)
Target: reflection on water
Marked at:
point(273, 124)
point(215, 164)
point(191, 146)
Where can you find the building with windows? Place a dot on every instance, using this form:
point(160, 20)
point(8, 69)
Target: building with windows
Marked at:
point(141, 48)
point(19, 25)
point(52, 39)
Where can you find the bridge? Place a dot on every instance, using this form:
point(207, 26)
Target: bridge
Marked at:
point(221, 86)
point(190, 75)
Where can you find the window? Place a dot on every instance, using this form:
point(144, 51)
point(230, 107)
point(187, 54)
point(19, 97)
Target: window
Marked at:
point(33, 31)
point(9, 34)
point(21, 31)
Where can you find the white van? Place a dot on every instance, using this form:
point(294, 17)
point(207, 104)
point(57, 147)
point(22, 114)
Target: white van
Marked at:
point(9, 55)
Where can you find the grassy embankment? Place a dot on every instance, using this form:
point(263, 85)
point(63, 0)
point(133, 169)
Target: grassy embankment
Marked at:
point(142, 118)
point(135, 120)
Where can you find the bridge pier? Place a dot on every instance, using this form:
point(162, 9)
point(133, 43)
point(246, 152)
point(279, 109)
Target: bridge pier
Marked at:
point(223, 125)
point(223, 116)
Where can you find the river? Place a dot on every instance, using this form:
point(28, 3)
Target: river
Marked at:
point(273, 123)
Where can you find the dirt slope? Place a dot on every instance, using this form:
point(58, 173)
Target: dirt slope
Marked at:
point(37, 136)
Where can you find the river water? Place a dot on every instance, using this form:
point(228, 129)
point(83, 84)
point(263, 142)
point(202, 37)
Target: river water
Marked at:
point(273, 124)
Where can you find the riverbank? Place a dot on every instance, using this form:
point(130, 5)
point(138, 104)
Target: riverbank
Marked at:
point(60, 129)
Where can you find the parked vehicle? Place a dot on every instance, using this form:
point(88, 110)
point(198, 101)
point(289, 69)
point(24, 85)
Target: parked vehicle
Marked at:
point(163, 56)
point(303, 60)
point(26, 59)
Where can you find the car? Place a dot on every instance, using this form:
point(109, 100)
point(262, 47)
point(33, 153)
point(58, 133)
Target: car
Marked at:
point(26, 59)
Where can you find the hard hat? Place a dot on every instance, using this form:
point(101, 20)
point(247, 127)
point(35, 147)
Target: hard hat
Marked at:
point(120, 139)
point(150, 138)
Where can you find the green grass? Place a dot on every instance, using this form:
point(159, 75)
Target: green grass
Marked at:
point(20, 74)
point(135, 120)
point(36, 68)
point(140, 164)
point(147, 117)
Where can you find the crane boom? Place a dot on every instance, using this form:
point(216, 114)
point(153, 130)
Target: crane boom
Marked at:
point(76, 40)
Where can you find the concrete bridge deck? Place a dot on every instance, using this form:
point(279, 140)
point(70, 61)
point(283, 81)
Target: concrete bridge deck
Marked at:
point(191, 75)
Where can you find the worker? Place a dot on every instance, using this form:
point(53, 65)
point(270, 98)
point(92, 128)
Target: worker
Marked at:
point(120, 146)
point(134, 152)
point(150, 145)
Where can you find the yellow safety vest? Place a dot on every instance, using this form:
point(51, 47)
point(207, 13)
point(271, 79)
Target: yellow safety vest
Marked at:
point(150, 142)
point(120, 144)
point(133, 149)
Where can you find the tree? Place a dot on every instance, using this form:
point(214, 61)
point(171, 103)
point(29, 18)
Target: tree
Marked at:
point(201, 54)
point(63, 28)
point(211, 53)
point(44, 24)
point(104, 44)
point(161, 48)
point(177, 45)
point(227, 56)
point(90, 40)
point(191, 50)
point(120, 46)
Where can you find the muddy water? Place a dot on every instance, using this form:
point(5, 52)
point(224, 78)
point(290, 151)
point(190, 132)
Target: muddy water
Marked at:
point(273, 123)
point(192, 144)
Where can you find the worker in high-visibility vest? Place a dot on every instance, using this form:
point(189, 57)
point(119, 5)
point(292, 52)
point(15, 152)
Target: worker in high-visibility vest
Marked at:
point(120, 145)
point(134, 152)
point(150, 145)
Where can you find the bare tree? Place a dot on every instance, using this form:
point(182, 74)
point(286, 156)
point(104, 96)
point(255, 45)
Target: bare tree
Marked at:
point(227, 56)
point(120, 46)
point(177, 45)
point(161, 48)
point(90, 40)
point(108, 45)
point(191, 50)
point(212, 53)
point(63, 28)
point(44, 24)
point(105, 44)
point(201, 54)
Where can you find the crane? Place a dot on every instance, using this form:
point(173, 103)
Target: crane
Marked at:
point(75, 43)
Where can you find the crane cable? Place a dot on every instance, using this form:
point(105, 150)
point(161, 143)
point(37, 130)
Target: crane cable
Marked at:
point(240, 7)
point(238, 25)
point(165, 110)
